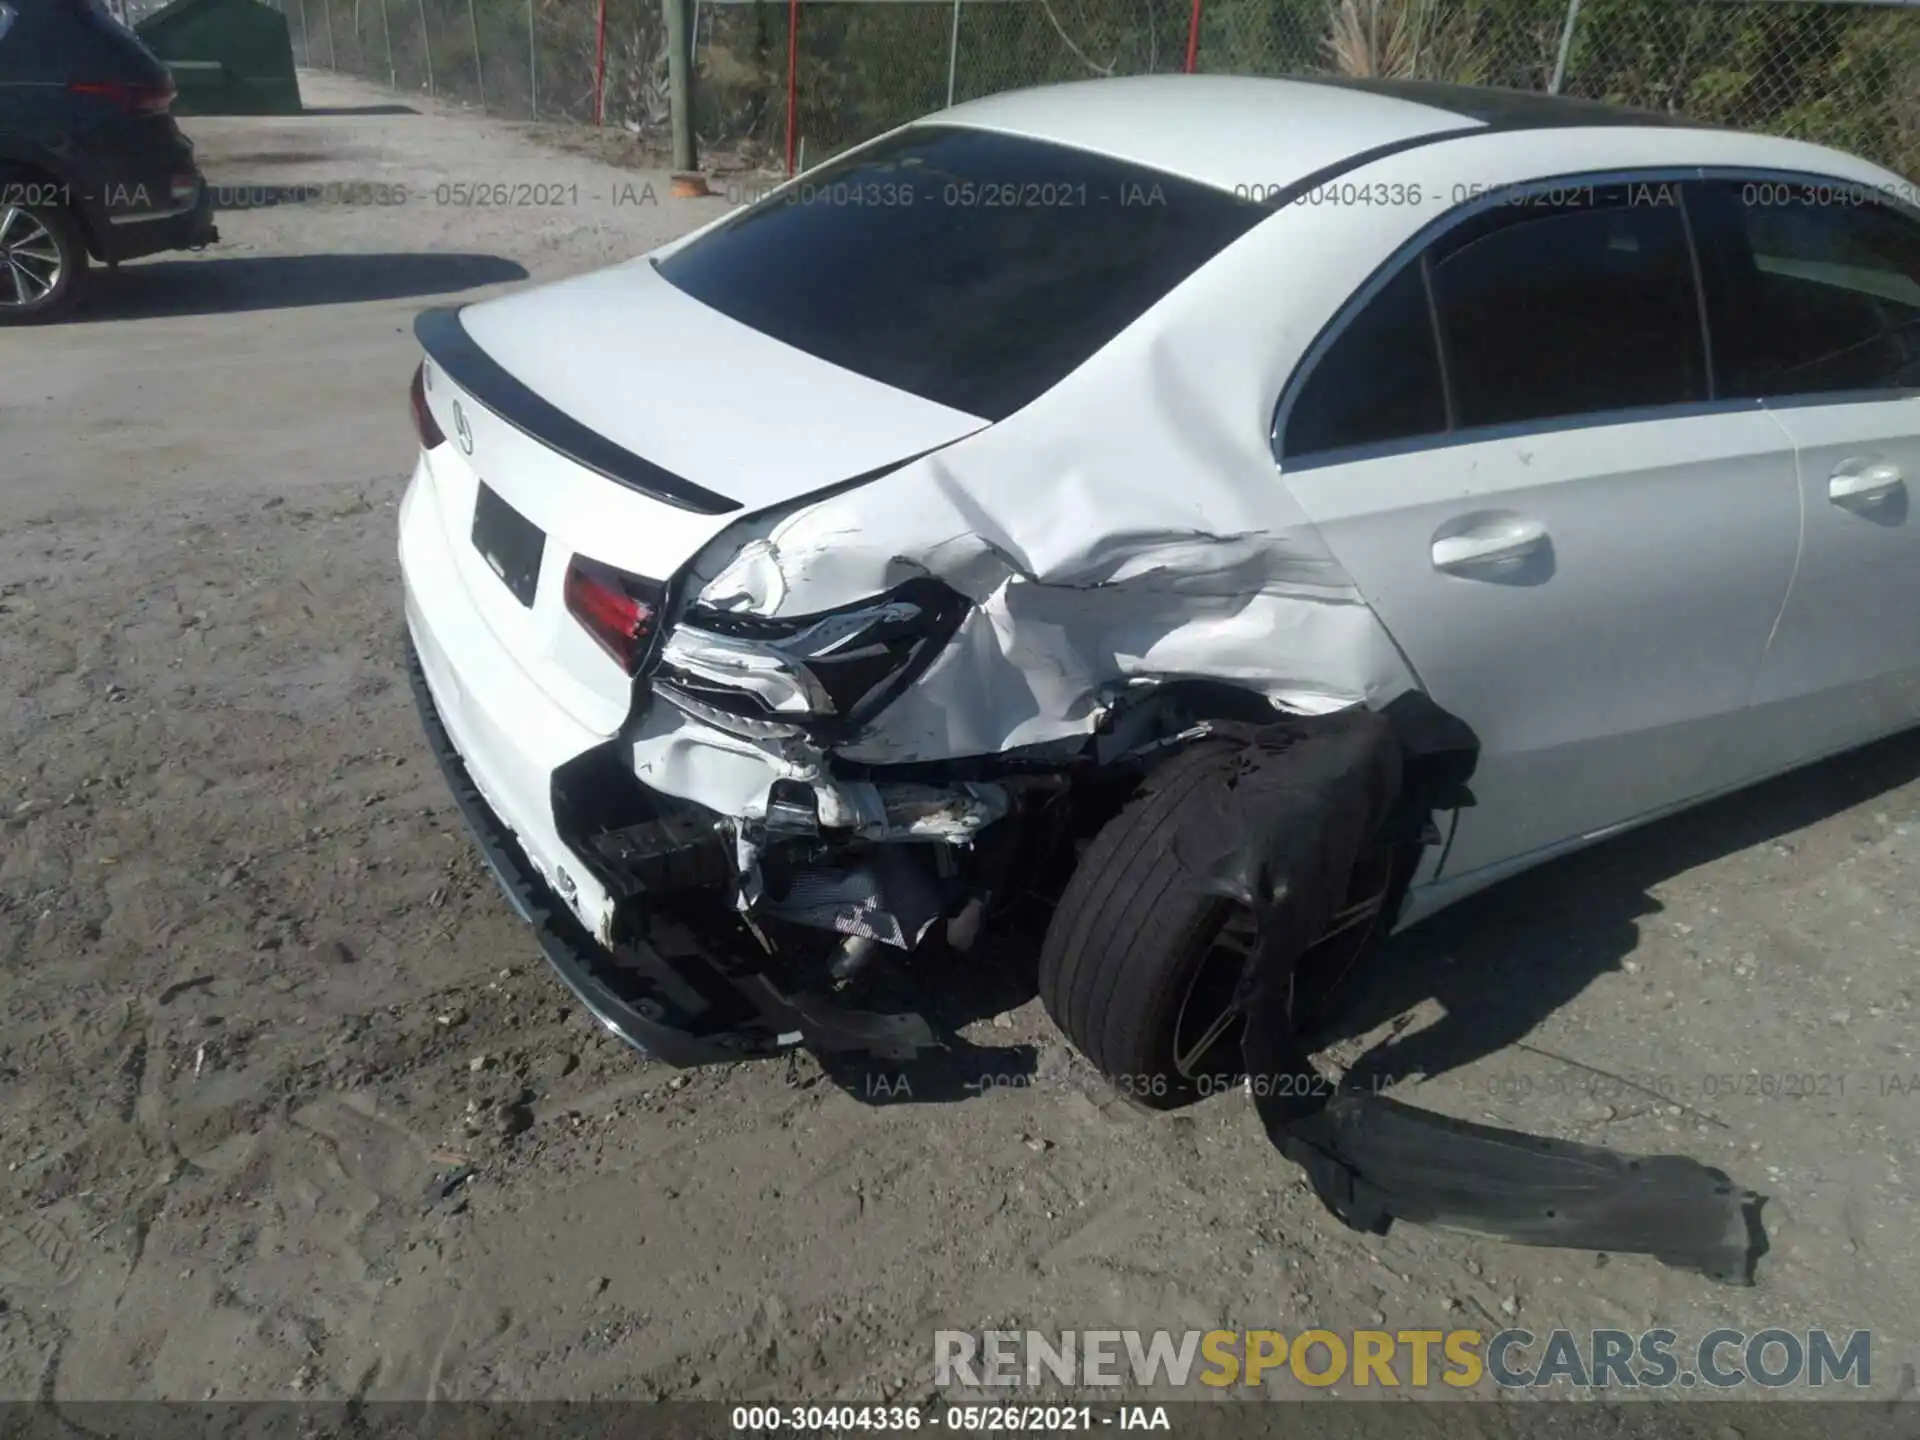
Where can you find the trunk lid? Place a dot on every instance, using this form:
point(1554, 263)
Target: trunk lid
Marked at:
point(613, 417)
point(640, 363)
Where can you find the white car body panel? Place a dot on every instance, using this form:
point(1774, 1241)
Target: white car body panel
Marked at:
point(1602, 691)
point(660, 401)
point(1844, 664)
point(1573, 749)
point(1279, 133)
point(512, 733)
point(1131, 526)
point(583, 512)
point(1215, 573)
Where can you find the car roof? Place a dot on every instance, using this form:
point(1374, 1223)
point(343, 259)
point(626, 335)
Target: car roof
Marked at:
point(1246, 131)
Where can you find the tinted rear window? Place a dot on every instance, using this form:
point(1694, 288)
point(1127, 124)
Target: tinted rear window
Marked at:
point(969, 268)
point(1379, 382)
point(1576, 308)
point(1813, 288)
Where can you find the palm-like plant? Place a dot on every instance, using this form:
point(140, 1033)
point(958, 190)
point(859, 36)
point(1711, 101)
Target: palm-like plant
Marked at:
point(1424, 39)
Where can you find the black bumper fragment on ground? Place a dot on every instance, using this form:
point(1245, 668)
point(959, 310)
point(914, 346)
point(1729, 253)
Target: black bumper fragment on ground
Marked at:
point(1282, 835)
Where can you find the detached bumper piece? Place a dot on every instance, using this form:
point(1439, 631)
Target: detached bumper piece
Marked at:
point(682, 1009)
point(1282, 838)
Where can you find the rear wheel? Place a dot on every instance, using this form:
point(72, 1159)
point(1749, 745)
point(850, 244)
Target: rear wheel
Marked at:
point(1141, 973)
point(43, 263)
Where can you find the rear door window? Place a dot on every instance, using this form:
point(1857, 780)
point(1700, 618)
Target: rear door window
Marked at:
point(971, 268)
point(1575, 302)
point(1813, 288)
point(1378, 382)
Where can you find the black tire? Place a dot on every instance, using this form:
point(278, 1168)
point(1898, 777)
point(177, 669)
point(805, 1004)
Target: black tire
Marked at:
point(1130, 950)
point(43, 264)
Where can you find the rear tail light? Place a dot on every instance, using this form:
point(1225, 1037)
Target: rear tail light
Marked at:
point(619, 611)
point(135, 99)
point(424, 424)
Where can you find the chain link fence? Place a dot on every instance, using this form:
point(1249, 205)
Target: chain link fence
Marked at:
point(573, 60)
point(1843, 72)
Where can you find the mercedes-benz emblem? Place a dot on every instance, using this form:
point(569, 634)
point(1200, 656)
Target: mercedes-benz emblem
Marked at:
point(462, 429)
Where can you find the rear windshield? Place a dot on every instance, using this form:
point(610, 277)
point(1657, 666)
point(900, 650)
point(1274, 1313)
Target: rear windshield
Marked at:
point(970, 268)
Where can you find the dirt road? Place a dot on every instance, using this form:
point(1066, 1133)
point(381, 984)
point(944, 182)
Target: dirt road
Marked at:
point(290, 1105)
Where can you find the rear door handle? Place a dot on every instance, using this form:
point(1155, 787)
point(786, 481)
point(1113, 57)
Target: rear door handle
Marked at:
point(1490, 548)
point(1865, 482)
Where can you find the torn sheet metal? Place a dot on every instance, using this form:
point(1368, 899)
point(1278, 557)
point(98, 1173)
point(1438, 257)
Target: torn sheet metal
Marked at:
point(1281, 834)
point(1030, 663)
point(1129, 525)
point(734, 775)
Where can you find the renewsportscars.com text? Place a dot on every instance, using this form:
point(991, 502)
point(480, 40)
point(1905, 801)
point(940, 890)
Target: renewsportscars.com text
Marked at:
point(1515, 1358)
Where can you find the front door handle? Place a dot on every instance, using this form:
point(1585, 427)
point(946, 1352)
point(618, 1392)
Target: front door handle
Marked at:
point(1865, 482)
point(1489, 548)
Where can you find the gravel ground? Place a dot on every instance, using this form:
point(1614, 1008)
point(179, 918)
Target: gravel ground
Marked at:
point(291, 1107)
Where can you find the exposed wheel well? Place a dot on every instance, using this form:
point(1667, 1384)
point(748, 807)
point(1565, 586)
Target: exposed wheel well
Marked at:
point(29, 172)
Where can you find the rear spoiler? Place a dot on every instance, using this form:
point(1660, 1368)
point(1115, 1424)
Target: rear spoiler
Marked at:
point(459, 357)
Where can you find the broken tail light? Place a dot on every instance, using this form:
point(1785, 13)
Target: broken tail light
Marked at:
point(619, 611)
point(829, 672)
point(424, 424)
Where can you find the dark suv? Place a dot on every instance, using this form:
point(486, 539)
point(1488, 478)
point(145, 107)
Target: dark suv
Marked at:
point(91, 162)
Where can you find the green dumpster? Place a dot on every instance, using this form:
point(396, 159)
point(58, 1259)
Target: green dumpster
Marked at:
point(228, 57)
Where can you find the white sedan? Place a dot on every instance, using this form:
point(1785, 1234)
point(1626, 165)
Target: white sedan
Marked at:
point(982, 509)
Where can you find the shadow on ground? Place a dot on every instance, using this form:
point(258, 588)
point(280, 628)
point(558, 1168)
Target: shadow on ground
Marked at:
point(1501, 963)
point(951, 991)
point(282, 282)
point(1498, 964)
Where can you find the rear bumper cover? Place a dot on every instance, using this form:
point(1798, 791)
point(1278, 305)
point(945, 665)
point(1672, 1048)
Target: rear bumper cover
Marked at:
point(650, 1022)
point(656, 1004)
point(129, 237)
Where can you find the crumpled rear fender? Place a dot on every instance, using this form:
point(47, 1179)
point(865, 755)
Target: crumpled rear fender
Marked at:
point(1129, 527)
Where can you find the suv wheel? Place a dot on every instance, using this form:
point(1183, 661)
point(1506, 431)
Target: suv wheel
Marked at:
point(43, 263)
point(1141, 973)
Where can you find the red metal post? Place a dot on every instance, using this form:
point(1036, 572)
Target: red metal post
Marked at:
point(1193, 38)
point(600, 69)
point(793, 79)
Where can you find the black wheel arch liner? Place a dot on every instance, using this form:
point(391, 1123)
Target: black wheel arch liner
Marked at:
point(18, 154)
point(1281, 834)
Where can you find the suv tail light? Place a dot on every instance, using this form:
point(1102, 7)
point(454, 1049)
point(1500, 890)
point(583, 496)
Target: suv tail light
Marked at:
point(134, 99)
point(619, 611)
point(424, 424)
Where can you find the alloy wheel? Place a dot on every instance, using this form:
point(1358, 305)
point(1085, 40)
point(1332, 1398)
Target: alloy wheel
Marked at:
point(1206, 1031)
point(30, 261)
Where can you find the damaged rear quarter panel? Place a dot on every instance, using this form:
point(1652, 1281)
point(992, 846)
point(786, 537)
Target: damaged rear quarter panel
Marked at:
point(1130, 524)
